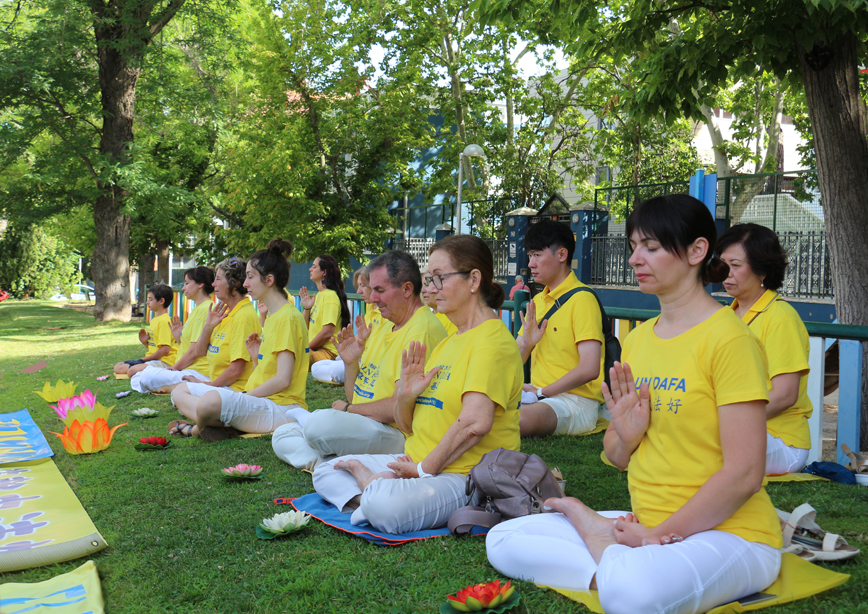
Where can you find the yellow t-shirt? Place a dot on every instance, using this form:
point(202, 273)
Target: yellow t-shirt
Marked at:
point(380, 365)
point(556, 354)
point(717, 362)
point(326, 310)
point(190, 334)
point(785, 340)
point(483, 359)
point(451, 329)
point(160, 330)
point(229, 342)
point(373, 317)
point(284, 330)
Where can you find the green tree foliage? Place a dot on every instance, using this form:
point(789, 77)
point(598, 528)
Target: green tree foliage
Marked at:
point(36, 263)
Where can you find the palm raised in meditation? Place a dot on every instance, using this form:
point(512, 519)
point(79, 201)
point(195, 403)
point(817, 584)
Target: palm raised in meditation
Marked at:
point(177, 329)
point(531, 332)
point(414, 380)
point(630, 409)
point(306, 299)
point(350, 347)
point(216, 315)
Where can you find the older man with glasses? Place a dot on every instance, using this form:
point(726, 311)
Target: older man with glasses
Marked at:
point(364, 423)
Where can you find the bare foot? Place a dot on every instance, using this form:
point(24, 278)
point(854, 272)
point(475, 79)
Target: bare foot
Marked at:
point(596, 531)
point(363, 475)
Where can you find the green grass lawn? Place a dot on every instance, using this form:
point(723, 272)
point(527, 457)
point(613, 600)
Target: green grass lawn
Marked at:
point(182, 540)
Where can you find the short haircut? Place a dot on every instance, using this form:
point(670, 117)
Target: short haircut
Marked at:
point(765, 255)
point(164, 292)
point(202, 275)
point(552, 235)
point(400, 267)
point(235, 273)
point(676, 221)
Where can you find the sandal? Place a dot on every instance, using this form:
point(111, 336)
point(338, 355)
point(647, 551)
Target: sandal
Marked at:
point(802, 534)
point(213, 434)
point(177, 427)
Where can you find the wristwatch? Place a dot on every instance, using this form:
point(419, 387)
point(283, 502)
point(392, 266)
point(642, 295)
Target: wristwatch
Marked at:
point(539, 393)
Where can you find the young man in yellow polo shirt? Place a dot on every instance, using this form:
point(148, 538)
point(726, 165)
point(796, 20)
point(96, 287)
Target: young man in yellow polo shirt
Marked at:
point(566, 349)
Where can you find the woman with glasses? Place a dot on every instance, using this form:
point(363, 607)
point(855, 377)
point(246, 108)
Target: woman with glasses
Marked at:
point(688, 425)
point(460, 404)
point(757, 263)
point(327, 312)
point(223, 340)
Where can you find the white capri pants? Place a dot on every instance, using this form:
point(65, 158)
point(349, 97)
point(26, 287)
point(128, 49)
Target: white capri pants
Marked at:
point(781, 458)
point(244, 412)
point(702, 572)
point(329, 432)
point(154, 378)
point(576, 415)
point(393, 506)
point(328, 371)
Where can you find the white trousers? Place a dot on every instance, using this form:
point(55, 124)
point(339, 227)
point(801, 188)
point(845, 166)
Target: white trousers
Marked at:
point(244, 412)
point(393, 506)
point(154, 378)
point(704, 571)
point(576, 415)
point(781, 458)
point(329, 432)
point(328, 371)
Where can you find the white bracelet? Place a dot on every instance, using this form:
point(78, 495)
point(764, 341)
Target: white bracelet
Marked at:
point(421, 471)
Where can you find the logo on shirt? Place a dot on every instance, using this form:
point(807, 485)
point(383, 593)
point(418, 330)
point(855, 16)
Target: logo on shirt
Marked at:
point(430, 401)
point(670, 384)
point(213, 349)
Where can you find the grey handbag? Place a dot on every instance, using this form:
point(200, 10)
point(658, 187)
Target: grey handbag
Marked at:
point(510, 484)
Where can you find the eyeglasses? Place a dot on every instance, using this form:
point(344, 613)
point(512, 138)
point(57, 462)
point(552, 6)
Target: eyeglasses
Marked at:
point(437, 280)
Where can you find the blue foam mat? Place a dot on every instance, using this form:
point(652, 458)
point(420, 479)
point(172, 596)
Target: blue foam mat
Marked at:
point(328, 514)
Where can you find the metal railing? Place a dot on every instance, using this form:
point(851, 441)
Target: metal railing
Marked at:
point(609, 266)
point(809, 272)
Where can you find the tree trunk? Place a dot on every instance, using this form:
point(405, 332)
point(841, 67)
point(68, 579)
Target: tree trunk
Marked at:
point(111, 266)
point(838, 122)
point(146, 278)
point(162, 262)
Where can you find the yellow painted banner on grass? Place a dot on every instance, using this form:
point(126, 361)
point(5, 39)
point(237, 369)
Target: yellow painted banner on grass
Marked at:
point(41, 519)
point(76, 592)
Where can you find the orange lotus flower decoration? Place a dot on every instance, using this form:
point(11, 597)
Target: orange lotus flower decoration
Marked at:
point(478, 597)
point(87, 437)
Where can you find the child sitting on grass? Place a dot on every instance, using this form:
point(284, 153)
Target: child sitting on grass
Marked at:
point(157, 338)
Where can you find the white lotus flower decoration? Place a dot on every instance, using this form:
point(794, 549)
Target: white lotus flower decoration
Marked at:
point(282, 524)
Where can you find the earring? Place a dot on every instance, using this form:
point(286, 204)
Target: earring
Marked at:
point(762, 283)
point(473, 292)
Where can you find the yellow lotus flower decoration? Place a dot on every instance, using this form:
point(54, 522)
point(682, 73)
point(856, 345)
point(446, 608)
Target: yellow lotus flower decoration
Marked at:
point(87, 414)
point(53, 394)
point(88, 437)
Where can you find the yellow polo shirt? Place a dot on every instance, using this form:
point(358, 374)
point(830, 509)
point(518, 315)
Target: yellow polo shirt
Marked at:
point(785, 340)
point(556, 354)
point(229, 342)
point(380, 365)
point(326, 310)
point(483, 359)
point(190, 335)
point(717, 362)
point(160, 330)
point(284, 331)
point(373, 317)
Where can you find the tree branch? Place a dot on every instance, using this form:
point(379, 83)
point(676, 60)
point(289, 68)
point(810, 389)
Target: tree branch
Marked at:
point(235, 220)
point(164, 17)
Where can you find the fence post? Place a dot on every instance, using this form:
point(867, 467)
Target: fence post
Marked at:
point(849, 397)
point(816, 385)
point(518, 222)
point(581, 223)
point(442, 231)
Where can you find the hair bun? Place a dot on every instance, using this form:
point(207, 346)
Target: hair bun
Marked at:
point(280, 245)
point(716, 270)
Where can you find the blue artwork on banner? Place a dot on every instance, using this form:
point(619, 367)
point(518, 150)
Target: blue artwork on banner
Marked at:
point(20, 439)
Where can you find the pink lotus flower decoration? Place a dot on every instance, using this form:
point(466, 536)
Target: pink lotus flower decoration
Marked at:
point(242, 472)
point(85, 400)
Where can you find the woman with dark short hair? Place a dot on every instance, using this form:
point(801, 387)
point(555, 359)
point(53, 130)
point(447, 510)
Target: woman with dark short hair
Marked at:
point(757, 263)
point(688, 425)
